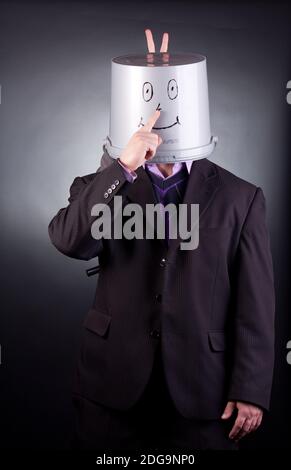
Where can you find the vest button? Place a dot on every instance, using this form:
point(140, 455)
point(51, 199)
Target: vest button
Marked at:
point(163, 262)
point(158, 297)
point(156, 334)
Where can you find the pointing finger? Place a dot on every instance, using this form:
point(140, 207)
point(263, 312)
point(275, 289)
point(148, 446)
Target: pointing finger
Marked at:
point(151, 121)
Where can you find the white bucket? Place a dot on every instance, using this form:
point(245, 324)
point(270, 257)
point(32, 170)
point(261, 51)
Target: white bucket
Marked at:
point(174, 83)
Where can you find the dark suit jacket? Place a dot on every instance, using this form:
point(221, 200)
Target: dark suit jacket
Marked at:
point(214, 317)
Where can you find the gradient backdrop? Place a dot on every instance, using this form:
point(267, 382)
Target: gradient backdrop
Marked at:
point(55, 90)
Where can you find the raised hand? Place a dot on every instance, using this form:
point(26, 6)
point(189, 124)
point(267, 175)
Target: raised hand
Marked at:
point(142, 145)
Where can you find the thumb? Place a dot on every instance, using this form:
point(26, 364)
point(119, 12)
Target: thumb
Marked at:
point(228, 410)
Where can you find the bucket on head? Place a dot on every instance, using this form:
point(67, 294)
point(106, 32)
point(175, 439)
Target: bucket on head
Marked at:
point(176, 84)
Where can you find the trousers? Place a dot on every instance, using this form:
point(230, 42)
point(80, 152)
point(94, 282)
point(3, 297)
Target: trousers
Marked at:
point(152, 423)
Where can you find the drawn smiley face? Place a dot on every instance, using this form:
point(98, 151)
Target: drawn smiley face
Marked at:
point(172, 93)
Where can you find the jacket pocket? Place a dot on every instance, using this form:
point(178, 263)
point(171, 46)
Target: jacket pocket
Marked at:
point(217, 340)
point(98, 322)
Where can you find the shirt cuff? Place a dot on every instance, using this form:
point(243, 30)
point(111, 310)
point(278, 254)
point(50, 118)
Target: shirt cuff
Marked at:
point(130, 175)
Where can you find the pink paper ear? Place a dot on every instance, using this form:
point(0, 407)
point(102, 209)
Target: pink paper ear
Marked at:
point(150, 41)
point(165, 42)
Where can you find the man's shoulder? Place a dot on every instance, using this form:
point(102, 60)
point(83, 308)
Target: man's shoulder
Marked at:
point(231, 180)
point(234, 190)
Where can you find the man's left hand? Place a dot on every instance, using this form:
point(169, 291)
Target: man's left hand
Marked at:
point(249, 418)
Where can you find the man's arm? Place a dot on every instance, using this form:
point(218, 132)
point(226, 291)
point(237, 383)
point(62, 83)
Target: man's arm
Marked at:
point(253, 333)
point(70, 228)
point(254, 309)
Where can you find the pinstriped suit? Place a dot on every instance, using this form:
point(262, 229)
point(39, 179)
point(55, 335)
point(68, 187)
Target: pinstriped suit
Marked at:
point(214, 320)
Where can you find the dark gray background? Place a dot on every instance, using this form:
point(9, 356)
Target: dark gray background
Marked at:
point(55, 78)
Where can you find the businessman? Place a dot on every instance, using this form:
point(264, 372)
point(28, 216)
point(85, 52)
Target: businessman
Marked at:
point(177, 349)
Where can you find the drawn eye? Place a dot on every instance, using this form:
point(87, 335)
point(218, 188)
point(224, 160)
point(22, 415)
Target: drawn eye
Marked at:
point(172, 89)
point(147, 91)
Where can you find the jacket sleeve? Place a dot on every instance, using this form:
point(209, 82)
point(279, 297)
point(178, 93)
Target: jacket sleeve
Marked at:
point(70, 228)
point(254, 309)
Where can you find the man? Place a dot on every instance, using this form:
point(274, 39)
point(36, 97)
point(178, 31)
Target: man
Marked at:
point(178, 347)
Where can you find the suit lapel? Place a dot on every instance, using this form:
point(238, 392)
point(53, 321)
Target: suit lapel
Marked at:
point(141, 191)
point(203, 182)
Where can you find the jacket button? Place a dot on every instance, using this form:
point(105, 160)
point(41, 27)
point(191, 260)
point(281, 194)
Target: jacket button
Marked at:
point(106, 195)
point(156, 334)
point(158, 297)
point(116, 182)
point(113, 186)
point(163, 262)
point(109, 190)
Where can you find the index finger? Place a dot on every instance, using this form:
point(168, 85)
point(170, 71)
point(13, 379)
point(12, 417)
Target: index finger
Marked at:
point(152, 120)
point(239, 422)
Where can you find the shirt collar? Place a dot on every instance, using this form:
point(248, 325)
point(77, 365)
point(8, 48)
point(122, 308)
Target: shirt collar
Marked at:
point(189, 165)
point(177, 166)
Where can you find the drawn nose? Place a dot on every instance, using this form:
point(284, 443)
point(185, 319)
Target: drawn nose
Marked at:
point(158, 108)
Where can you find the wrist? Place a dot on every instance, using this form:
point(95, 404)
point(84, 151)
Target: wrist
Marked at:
point(128, 166)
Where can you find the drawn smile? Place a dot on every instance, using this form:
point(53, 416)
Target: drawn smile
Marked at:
point(164, 127)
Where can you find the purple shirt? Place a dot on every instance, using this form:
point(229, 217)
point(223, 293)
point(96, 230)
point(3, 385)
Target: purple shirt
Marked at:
point(165, 187)
point(131, 175)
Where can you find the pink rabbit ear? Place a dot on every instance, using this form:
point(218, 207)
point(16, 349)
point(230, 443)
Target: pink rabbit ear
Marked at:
point(165, 42)
point(150, 41)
